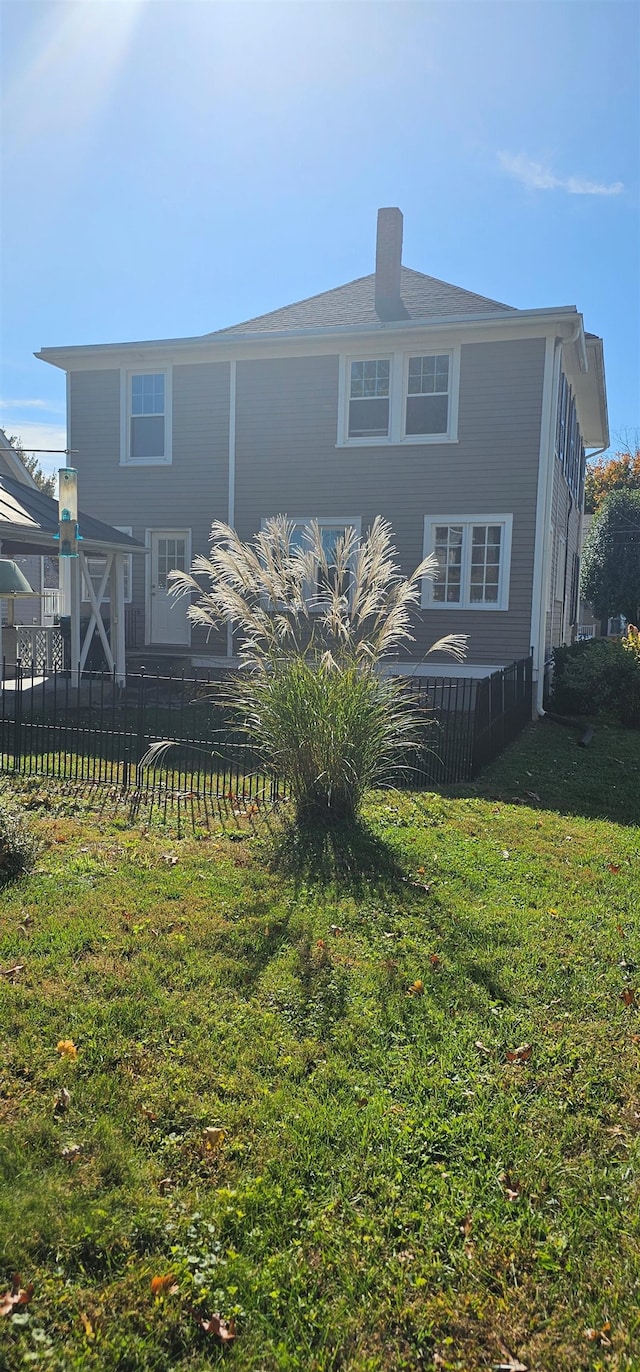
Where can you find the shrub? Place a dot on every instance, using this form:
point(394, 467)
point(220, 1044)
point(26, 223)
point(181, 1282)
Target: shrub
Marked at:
point(598, 677)
point(317, 626)
point(18, 844)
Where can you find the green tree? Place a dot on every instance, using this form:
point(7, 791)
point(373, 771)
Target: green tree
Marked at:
point(47, 484)
point(611, 557)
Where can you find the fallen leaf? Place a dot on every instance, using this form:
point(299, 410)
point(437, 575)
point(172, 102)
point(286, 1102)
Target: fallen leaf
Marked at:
point(67, 1049)
point(148, 1113)
point(165, 1184)
point(628, 995)
point(62, 1101)
point(614, 867)
point(434, 959)
point(72, 1153)
point(421, 871)
point(482, 1047)
point(170, 859)
point(521, 1054)
point(512, 1188)
point(16, 1296)
point(213, 1138)
point(321, 943)
point(510, 1364)
point(163, 1286)
point(599, 1335)
point(621, 931)
point(336, 929)
point(416, 988)
point(635, 1038)
point(466, 1226)
point(506, 853)
point(221, 1329)
point(87, 1325)
point(12, 971)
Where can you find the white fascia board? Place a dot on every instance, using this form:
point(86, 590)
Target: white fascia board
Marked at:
point(526, 322)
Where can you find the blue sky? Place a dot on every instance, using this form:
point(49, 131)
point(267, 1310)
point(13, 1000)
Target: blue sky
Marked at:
point(168, 169)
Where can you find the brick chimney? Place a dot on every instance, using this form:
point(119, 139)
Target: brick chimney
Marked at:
point(388, 302)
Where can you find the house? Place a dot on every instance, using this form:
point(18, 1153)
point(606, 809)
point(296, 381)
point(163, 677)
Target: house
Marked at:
point(462, 420)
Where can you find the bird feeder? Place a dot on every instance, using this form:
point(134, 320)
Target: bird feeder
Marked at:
point(68, 512)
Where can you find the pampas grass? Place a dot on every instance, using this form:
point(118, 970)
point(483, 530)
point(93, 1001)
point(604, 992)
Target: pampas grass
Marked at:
point(318, 629)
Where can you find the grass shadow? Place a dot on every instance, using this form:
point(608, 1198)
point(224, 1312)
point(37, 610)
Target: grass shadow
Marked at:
point(350, 856)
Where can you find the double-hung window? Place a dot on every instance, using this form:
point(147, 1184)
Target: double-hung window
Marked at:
point(401, 398)
point(427, 399)
point(147, 417)
point(473, 557)
point(369, 393)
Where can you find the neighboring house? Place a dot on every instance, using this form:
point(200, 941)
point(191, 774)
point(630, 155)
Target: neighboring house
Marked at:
point(461, 420)
point(41, 572)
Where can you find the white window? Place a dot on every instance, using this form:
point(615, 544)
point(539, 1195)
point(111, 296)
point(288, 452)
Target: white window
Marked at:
point(146, 410)
point(427, 399)
point(95, 570)
point(402, 398)
point(474, 557)
point(330, 531)
point(369, 386)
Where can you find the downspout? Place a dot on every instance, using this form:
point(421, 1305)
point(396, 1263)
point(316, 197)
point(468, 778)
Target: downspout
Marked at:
point(543, 516)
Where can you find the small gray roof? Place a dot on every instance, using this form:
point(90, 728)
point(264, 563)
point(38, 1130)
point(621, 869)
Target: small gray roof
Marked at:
point(422, 296)
point(28, 514)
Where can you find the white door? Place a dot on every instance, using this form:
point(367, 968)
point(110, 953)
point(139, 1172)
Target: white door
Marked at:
point(170, 550)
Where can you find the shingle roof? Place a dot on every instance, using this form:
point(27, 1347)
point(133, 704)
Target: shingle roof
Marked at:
point(423, 296)
point(29, 508)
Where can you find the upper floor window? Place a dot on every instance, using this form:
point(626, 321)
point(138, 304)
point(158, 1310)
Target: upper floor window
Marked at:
point(147, 417)
point(473, 556)
point(401, 398)
point(369, 398)
point(427, 404)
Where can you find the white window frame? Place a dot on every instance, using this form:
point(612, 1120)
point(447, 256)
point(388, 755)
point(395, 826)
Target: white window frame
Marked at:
point(98, 557)
point(465, 603)
point(398, 388)
point(324, 522)
point(374, 440)
point(126, 375)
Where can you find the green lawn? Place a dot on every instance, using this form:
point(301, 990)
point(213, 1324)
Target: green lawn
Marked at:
point(393, 1189)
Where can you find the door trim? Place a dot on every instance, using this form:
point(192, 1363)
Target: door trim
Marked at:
point(148, 533)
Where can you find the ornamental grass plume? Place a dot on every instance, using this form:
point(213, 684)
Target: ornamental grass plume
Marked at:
point(320, 615)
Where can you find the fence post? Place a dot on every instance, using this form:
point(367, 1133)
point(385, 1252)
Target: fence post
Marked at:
point(140, 736)
point(17, 719)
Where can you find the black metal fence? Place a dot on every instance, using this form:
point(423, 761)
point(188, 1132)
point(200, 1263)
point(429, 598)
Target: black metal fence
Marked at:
point(472, 719)
point(99, 732)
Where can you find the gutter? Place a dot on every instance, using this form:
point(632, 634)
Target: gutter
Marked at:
point(218, 341)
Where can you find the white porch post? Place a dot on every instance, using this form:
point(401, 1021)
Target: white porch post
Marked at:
point(74, 612)
point(116, 597)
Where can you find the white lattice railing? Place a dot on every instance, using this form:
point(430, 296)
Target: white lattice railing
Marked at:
point(40, 644)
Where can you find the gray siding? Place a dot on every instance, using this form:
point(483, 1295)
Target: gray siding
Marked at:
point(189, 493)
point(287, 462)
